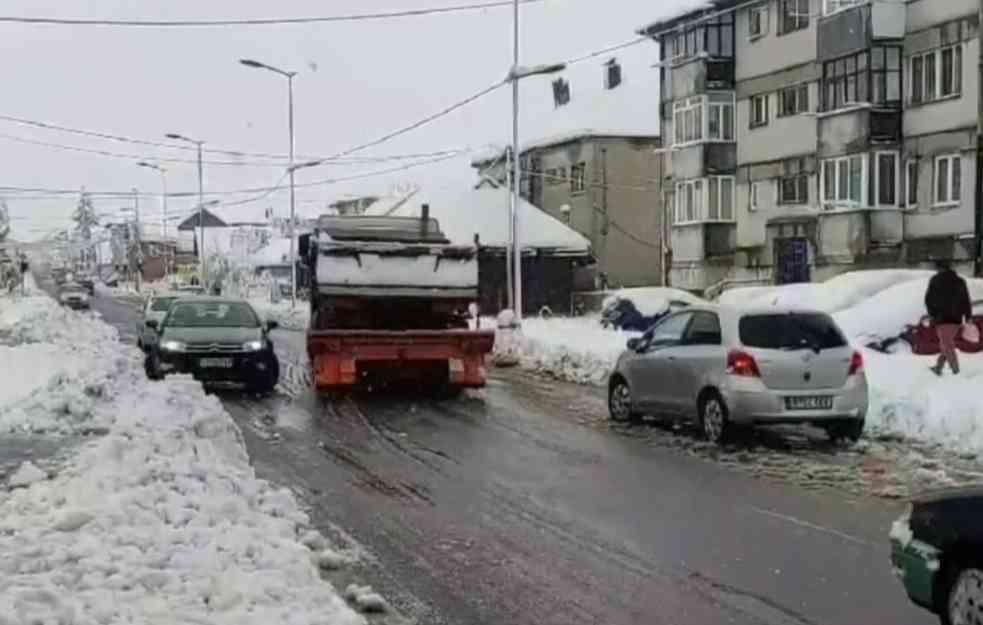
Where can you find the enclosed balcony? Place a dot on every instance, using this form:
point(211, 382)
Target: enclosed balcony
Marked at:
point(851, 25)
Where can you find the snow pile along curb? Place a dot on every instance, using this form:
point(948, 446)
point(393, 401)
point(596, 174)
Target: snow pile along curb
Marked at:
point(162, 520)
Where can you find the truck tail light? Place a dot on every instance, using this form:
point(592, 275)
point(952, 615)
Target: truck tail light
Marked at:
point(856, 363)
point(742, 365)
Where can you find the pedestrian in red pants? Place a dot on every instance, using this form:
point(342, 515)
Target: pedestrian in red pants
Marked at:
point(948, 303)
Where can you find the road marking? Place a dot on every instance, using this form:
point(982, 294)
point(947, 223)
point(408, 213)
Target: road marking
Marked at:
point(819, 528)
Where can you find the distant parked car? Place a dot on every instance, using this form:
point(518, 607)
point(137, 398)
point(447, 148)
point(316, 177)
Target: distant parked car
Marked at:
point(727, 368)
point(215, 340)
point(73, 295)
point(155, 309)
point(937, 551)
point(88, 283)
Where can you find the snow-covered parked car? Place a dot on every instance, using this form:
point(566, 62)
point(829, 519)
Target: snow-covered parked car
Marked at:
point(155, 309)
point(725, 368)
point(937, 552)
point(74, 296)
point(637, 310)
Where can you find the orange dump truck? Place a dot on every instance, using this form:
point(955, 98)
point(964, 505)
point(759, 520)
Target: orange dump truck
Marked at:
point(391, 301)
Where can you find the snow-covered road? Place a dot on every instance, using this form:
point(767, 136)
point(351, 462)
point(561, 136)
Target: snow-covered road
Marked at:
point(520, 504)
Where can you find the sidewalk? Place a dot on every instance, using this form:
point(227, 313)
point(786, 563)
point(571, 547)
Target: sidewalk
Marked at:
point(160, 520)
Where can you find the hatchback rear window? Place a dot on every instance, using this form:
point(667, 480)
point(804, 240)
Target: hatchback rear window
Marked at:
point(791, 331)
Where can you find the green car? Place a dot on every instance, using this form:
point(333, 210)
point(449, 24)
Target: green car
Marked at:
point(937, 551)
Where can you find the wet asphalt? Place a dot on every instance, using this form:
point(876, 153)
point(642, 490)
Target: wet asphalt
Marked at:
point(509, 506)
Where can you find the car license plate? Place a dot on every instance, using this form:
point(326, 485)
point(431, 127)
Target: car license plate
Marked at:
point(215, 363)
point(809, 402)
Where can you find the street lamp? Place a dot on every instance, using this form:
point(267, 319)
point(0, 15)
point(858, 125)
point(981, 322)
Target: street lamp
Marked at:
point(516, 74)
point(163, 179)
point(201, 201)
point(291, 169)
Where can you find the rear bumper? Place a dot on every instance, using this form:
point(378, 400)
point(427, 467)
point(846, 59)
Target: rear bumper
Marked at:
point(246, 367)
point(750, 402)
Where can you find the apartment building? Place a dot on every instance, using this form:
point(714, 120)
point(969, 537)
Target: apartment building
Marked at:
point(595, 163)
point(812, 137)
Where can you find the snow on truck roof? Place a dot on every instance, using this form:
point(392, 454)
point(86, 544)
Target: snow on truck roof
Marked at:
point(390, 228)
point(464, 211)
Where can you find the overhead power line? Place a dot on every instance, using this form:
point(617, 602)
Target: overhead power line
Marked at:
point(271, 21)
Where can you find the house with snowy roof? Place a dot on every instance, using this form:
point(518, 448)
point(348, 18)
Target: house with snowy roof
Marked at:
point(595, 163)
point(556, 260)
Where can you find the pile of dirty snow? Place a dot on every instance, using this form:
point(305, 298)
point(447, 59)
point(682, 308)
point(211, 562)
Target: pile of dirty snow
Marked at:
point(289, 318)
point(653, 300)
point(160, 520)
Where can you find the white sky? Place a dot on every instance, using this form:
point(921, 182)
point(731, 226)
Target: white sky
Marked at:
point(371, 77)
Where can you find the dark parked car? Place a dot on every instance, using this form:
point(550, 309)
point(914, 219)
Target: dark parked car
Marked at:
point(937, 551)
point(215, 340)
point(89, 285)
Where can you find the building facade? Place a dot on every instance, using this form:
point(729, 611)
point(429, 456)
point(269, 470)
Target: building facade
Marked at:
point(606, 187)
point(849, 141)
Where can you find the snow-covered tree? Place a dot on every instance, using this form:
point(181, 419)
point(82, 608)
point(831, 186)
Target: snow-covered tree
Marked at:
point(85, 217)
point(4, 220)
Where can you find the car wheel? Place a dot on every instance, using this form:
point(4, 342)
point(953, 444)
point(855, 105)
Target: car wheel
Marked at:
point(964, 599)
point(714, 421)
point(151, 365)
point(620, 402)
point(849, 431)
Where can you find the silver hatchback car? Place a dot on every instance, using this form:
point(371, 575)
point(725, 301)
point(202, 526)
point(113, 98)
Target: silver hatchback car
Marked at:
point(726, 367)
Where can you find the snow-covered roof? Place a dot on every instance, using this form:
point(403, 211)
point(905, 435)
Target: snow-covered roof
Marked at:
point(631, 109)
point(274, 253)
point(464, 211)
point(680, 9)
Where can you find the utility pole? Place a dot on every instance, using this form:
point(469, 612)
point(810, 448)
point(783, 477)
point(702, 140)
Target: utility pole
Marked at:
point(201, 203)
point(136, 238)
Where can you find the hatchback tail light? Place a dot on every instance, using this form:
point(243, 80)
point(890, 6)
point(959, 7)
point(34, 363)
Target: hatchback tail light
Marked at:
point(856, 363)
point(742, 364)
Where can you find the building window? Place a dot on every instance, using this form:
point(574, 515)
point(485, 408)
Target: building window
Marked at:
point(550, 175)
point(886, 178)
point(871, 76)
point(561, 92)
point(561, 175)
point(948, 180)
point(688, 120)
point(844, 180)
point(911, 183)
point(578, 178)
point(794, 185)
point(720, 120)
point(612, 74)
point(793, 100)
point(793, 15)
point(759, 110)
point(714, 194)
point(755, 195)
point(832, 6)
point(757, 20)
point(720, 198)
point(937, 74)
point(715, 37)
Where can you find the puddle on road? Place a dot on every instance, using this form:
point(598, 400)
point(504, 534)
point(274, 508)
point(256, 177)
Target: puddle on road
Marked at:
point(886, 467)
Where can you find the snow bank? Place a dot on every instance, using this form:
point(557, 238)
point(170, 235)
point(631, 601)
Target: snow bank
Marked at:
point(576, 349)
point(836, 294)
point(162, 520)
point(295, 318)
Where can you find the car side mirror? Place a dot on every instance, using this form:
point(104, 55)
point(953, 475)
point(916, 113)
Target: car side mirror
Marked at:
point(272, 325)
point(152, 323)
point(634, 344)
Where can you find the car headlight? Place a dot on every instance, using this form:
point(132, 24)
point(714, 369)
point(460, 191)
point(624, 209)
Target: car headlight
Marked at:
point(172, 346)
point(252, 346)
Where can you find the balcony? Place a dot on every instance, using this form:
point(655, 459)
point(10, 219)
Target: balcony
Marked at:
point(856, 28)
point(857, 129)
point(697, 76)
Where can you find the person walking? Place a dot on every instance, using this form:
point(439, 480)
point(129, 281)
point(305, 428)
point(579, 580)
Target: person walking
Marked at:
point(949, 306)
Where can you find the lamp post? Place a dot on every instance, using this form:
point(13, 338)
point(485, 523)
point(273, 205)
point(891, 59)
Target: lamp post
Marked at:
point(201, 202)
point(516, 74)
point(290, 125)
point(163, 200)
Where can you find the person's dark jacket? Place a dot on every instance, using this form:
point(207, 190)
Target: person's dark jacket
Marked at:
point(947, 298)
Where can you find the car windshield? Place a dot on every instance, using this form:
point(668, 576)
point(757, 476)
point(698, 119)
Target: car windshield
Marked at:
point(212, 315)
point(790, 331)
point(161, 304)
